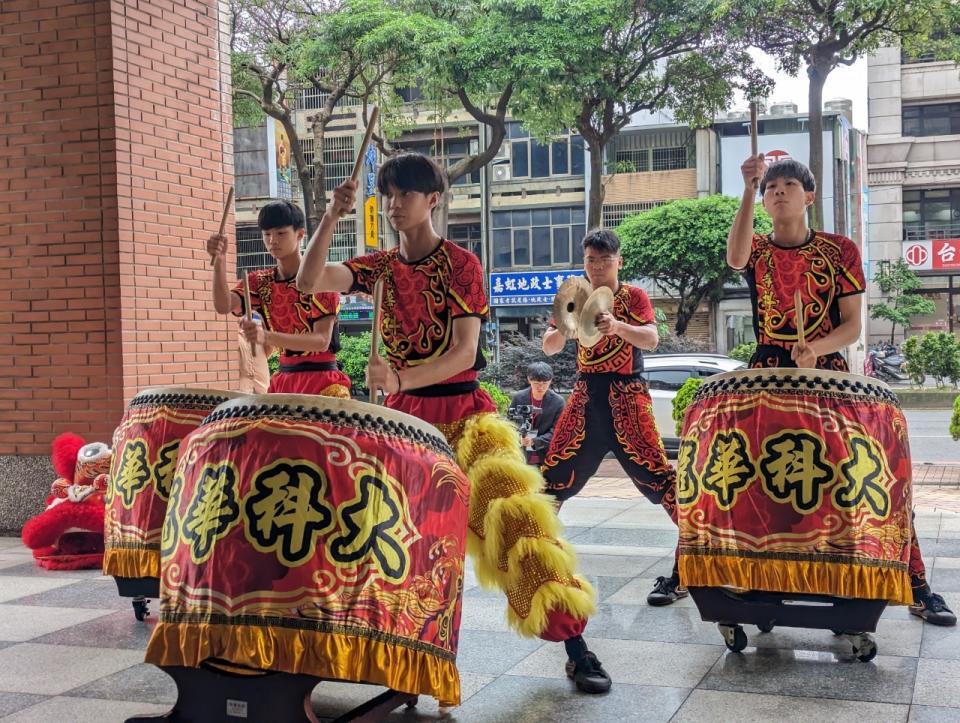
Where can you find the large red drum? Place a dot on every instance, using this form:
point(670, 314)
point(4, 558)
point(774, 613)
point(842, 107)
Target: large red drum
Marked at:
point(796, 481)
point(145, 448)
point(320, 536)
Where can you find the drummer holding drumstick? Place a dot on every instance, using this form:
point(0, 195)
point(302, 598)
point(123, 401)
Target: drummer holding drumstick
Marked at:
point(806, 290)
point(304, 326)
point(432, 306)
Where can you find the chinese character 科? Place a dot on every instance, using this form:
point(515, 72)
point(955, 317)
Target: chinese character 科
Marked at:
point(794, 470)
point(511, 284)
point(535, 283)
point(498, 286)
point(947, 252)
point(522, 284)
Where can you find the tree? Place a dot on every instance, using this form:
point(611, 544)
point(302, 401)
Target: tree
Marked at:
point(819, 35)
point(682, 247)
point(898, 282)
point(594, 64)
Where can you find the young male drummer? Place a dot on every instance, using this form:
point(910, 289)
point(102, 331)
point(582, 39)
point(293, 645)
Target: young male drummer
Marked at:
point(610, 407)
point(827, 270)
point(432, 307)
point(304, 326)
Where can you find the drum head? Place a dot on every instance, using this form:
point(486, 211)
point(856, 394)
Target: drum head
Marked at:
point(333, 405)
point(793, 373)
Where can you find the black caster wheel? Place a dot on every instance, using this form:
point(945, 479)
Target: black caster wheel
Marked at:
point(140, 609)
point(734, 637)
point(866, 650)
point(765, 628)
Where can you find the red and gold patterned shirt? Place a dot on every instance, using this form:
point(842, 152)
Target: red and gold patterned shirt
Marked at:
point(613, 355)
point(422, 299)
point(825, 268)
point(286, 310)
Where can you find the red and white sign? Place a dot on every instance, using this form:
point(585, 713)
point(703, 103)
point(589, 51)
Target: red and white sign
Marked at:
point(774, 156)
point(927, 255)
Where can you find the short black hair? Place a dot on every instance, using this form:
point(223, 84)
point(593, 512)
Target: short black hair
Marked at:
point(278, 214)
point(540, 372)
point(601, 239)
point(411, 172)
point(789, 168)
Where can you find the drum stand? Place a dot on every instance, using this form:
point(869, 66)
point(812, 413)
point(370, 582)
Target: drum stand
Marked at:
point(766, 610)
point(223, 693)
point(141, 589)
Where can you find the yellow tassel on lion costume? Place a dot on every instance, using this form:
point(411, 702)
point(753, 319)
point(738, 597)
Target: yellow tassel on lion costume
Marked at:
point(513, 534)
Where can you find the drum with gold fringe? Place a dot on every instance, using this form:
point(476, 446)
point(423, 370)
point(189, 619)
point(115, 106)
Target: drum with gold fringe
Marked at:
point(318, 536)
point(794, 480)
point(145, 455)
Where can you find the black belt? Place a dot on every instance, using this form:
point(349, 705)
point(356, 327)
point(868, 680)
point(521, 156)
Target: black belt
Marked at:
point(327, 366)
point(607, 377)
point(444, 390)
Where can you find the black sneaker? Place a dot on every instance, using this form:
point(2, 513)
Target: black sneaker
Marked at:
point(589, 674)
point(666, 590)
point(933, 609)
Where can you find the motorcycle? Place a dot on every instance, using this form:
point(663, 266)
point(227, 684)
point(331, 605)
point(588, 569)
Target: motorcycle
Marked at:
point(885, 363)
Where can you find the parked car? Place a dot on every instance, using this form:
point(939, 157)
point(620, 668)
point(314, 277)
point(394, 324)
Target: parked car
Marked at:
point(666, 373)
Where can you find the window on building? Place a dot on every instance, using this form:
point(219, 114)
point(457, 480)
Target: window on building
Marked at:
point(614, 213)
point(660, 150)
point(538, 238)
point(531, 159)
point(466, 235)
point(931, 214)
point(251, 253)
point(446, 153)
point(939, 119)
point(338, 158)
point(307, 97)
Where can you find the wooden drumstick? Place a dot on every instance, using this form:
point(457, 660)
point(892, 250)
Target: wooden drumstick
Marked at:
point(798, 311)
point(371, 124)
point(249, 314)
point(375, 332)
point(754, 133)
point(223, 219)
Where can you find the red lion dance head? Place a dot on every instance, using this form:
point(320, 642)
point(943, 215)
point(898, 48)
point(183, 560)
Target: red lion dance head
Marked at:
point(68, 534)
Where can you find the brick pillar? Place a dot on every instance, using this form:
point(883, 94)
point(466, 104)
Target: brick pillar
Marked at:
point(115, 158)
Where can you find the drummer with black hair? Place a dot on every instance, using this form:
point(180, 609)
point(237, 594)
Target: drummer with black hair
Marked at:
point(806, 290)
point(610, 408)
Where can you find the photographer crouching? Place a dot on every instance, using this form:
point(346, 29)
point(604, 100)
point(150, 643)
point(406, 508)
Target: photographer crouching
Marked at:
point(535, 411)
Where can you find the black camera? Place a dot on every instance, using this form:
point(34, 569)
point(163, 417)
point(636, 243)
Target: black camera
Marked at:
point(522, 415)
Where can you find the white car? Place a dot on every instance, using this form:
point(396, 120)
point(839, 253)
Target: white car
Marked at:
point(666, 373)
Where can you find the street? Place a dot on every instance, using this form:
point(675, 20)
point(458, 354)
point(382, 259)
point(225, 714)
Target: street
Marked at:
point(930, 439)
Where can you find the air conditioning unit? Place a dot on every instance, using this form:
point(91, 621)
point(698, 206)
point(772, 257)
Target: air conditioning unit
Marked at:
point(503, 154)
point(501, 173)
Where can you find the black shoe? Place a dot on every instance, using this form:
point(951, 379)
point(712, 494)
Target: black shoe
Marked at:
point(589, 674)
point(933, 609)
point(666, 590)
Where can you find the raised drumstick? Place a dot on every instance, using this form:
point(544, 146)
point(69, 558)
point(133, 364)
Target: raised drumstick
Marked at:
point(375, 332)
point(246, 299)
point(798, 311)
point(223, 219)
point(754, 133)
point(371, 124)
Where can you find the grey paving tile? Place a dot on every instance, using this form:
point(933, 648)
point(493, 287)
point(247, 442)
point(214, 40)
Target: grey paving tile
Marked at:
point(55, 669)
point(893, 637)
point(141, 682)
point(812, 674)
point(933, 714)
point(492, 653)
point(628, 537)
point(20, 623)
point(13, 586)
point(951, 563)
point(944, 579)
point(717, 705)
point(12, 702)
point(100, 594)
point(121, 629)
point(938, 683)
point(81, 710)
point(29, 568)
point(642, 622)
point(615, 565)
point(632, 662)
point(515, 699)
point(940, 642)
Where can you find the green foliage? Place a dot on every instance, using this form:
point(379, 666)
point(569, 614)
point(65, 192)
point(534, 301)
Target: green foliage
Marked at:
point(683, 400)
point(353, 355)
point(743, 352)
point(935, 354)
point(517, 352)
point(499, 397)
point(273, 362)
point(897, 282)
point(682, 246)
point(955, 420)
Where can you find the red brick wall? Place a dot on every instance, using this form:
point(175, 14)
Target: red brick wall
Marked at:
point(115, 157)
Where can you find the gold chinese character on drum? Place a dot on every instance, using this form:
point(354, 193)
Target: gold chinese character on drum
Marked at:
point(316, 536)
point(146, 444)
point(796, 481)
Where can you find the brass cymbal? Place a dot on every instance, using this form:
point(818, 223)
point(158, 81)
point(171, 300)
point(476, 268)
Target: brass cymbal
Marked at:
point(570, 298)
point(599, 301)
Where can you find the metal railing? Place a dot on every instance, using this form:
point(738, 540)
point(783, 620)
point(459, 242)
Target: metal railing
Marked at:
point(930, 231)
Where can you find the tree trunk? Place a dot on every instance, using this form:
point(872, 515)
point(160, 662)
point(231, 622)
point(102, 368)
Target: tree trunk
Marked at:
point(595, 207)
point(319, 188)
point(817, 76)
point(303, 172)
